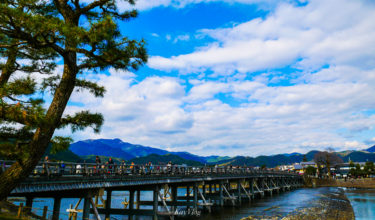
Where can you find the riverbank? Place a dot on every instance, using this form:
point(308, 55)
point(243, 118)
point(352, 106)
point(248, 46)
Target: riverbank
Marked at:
point(364, 183)
point(330, 204)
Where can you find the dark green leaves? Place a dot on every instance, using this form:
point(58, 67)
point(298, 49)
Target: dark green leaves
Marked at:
point(34, 34)
point(83, 119)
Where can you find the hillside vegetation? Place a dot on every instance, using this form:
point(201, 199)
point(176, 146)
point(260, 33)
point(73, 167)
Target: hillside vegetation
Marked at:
point(119, 150)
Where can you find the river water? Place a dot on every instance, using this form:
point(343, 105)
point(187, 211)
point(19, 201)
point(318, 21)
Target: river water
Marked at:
point(363, 202)
point(275, 206)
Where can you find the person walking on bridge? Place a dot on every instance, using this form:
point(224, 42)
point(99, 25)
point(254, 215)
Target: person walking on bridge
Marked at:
point(132, 168)
point(110, 165)
point(123, 167)
point(46, 166)
point(98, 162)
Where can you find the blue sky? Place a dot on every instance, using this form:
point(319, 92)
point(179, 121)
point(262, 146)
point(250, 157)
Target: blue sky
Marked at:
point(243, 77)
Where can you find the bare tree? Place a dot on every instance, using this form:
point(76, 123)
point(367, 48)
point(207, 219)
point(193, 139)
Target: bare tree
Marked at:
point(328, 158)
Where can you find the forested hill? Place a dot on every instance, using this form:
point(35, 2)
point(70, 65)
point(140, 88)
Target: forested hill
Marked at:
point(88, 149)
point(128, 151)
point(164, 159)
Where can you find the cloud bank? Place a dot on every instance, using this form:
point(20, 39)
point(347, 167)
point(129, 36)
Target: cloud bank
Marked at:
point(301, 78)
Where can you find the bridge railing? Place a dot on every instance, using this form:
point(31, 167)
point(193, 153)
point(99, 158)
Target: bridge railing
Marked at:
point(106, 169)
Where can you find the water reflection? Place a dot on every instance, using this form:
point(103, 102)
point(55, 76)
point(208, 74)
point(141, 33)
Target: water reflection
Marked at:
point(277, 205)
point(363, 203)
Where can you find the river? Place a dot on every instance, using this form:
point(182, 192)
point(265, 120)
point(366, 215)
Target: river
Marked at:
point(363, 202)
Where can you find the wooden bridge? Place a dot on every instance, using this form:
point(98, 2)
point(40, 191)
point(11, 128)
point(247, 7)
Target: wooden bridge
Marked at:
point(93, 184)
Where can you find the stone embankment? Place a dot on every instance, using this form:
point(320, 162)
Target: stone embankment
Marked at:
point(367, 183)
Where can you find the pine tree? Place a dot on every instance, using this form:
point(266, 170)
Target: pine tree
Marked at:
point(86, 37)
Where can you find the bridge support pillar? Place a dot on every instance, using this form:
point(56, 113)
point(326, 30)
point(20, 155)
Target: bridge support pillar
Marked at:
point(187, 196)
point(195, 189)
point(278, 186)
point(131, 203)
point(239, 192)
point(174, 198)
point(251, 184)
point(56, 208)
point(86, 208)
point(221, 199)
point(204, 188)
point(138, 198)
point(262, 187)
point(108, 204)
point(29, 204)
point(156, 201)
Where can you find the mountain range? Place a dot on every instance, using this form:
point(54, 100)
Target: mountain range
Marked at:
point(119, 150)
point(127, 151)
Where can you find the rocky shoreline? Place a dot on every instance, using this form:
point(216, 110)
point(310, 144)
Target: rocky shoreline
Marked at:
point(332, 205)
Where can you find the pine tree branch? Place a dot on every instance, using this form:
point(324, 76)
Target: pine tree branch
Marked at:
point(91, 6)
point(94, 88)
point(81, 120)
point(22, 116)
point(13, 45)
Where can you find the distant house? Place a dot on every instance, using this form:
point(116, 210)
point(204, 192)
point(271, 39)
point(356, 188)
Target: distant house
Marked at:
point(298, 168)
point(286, 167)
point(343, 169)
point(308, 164)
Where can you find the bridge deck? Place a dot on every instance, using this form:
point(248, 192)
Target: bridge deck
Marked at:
point(205, 186)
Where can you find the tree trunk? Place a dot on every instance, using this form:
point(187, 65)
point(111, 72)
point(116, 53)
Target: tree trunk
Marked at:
point(41, 139)
point(9, 66)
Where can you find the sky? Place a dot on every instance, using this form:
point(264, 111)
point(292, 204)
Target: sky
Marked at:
point(243, 77)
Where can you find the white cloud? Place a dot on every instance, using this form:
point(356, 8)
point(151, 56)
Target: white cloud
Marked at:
point(184, 37)
point(155, 35)
point(158, 112)
point(322, 32)
point(320, 107)
point(147, 4)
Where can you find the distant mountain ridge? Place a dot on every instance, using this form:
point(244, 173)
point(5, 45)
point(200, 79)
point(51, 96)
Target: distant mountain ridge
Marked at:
point(164, 159)
point(371, 149)
point(142, 154)
point(118, 148)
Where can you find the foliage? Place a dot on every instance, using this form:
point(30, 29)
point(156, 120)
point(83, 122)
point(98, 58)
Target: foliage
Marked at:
point(357, 170)
point(311, 171)
point(34, 35)
point(369, 167)
point(351, 164)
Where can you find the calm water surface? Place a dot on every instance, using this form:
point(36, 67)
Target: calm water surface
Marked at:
point(279, 205)
point(363, 202)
